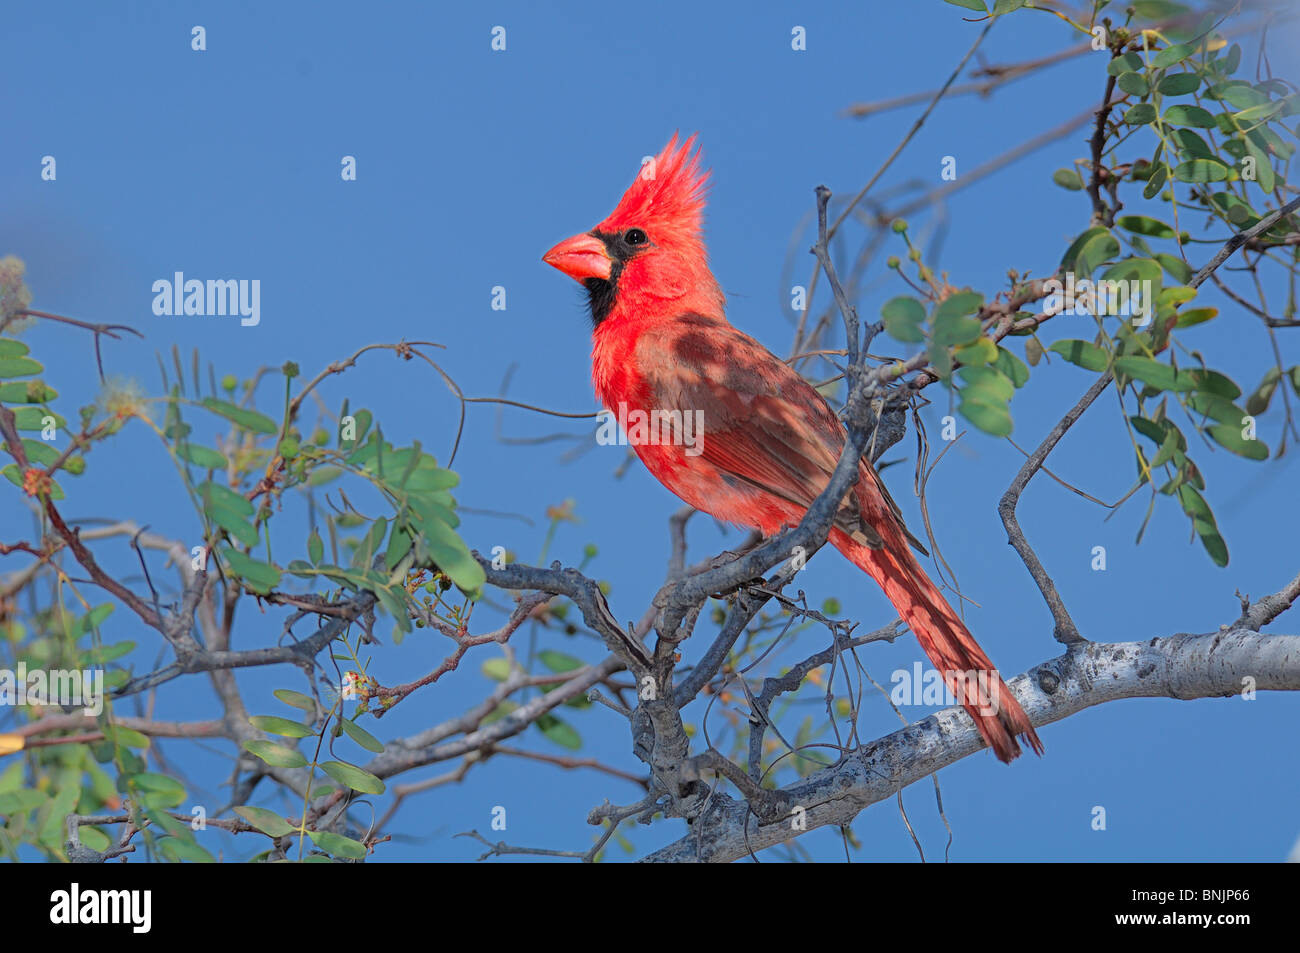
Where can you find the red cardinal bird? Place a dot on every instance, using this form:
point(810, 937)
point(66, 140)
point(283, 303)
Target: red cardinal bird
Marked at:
point(664, 352)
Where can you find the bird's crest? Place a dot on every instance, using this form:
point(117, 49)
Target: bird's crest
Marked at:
point(668, 193)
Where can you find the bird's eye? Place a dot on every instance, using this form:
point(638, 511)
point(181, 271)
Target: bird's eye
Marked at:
point(634, 236)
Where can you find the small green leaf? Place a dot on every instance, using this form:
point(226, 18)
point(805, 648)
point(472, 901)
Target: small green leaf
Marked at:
point(296, 699)
point(1230, 435)
point(559, 731)
point(1193, 316)
point(260, 577)
point(1140, 114)
point(276, 755)
point(361, 736)
point(559, 661)
point(1173, 54)
point(338, 845)
point(1186, 115)
point(268, 822)
point(275, 725)
point(1155, 373)
point(201, 456)
point(992, 417)
point(1068, 179)
point(356, 778)
point(1129, 62)
point(1202, 170)
point(1012, 367)
point(315, 548)
point(1135, 84)
point(1082, 354)
point(497, 669)
point(19, 367)
point(1178, 84)
point(243, 417)
point(903, 317)
point(1142, 225)
point(976, 5)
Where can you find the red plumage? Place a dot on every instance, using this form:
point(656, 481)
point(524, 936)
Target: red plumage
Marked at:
point(769, 442)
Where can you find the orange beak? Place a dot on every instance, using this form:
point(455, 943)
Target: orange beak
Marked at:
point(580, 257)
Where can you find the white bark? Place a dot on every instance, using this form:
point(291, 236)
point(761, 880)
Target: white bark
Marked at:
point(1225, 663)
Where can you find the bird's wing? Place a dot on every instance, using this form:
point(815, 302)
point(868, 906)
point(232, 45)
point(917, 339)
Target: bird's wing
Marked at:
point(763, 423)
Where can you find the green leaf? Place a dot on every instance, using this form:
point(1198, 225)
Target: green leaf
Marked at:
point(1258, 401)
point(1134, 84)
point(296, 699)
point(979, 351)
point(1012, 367)
point(15, 476)
point(248, 419)
point(361, 736)
point(1157, 181)
point(992, 417)
point(497, 669)
point(315, 548)
point(453, 557)
point(558, 661)
point(19, 367)
point(338, 845)
point(9, 347)
point(358, 779)
point(179, 849)
point(1194, 316)
point(126, 737)
point(276, 755)
point(164, 790)
point(1211, 382)
point(1178, 269)
point(1229, 435)
point(1264, 173)
point(1068, 179)
point(1140, 114)
point(276, 725)
point(1101, 247)
point(1192, 144)
point(399, 544)
point(1082, 354)
point(33, 418)
point(1194, 505)
point(1142, 225)
point(976, 5)
point(214, 494)
point(987, 384)
point(1007, 6)
point(1155, 373)
point(1186, 115)
point(103, 654)
point(559, 731)
point(258, 576)
point(39, 452)
point(268, 822)
point(1259, 113)
point(1173, 54)
point(1178, 84)
point(1201, 170)
point(1129, 62)
point(903, 317)
point(201, 456)
point(27, 392)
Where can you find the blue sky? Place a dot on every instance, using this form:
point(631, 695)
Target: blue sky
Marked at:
point(471, 163)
